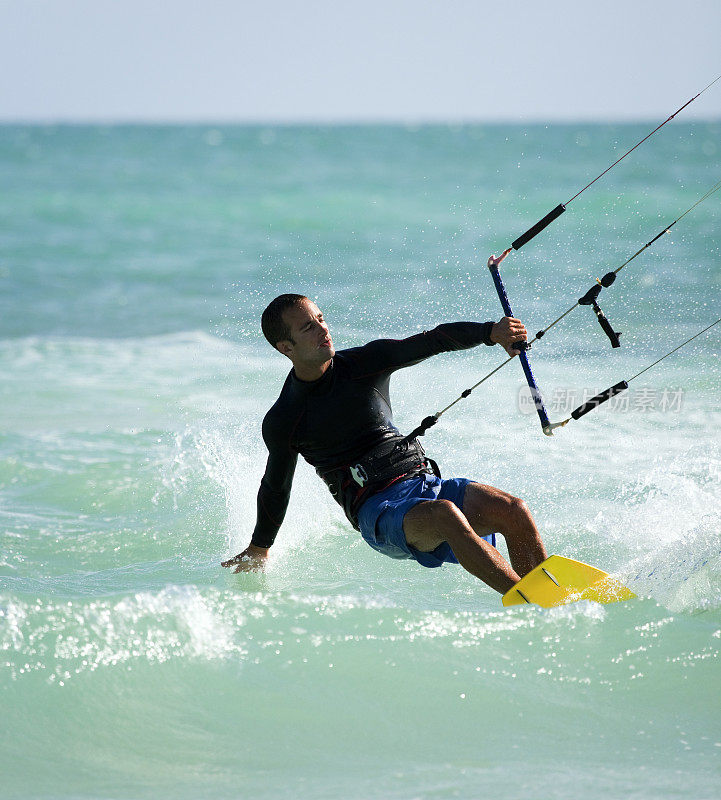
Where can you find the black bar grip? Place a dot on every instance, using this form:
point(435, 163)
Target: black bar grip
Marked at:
point(596, 401)
point(538, 227)
point(606, 325)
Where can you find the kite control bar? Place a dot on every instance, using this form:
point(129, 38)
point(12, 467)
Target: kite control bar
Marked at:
point(522, 347)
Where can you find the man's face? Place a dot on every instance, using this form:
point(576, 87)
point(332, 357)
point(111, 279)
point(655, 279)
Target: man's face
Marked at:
point(311, 343)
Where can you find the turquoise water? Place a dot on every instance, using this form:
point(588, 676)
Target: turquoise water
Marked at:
point(134, 264)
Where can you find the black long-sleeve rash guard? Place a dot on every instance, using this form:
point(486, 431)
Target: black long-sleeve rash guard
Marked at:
point(342, 416)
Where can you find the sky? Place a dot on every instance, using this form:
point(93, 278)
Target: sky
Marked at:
point(349, 61)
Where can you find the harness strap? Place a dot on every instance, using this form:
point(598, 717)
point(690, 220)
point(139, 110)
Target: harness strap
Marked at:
point(352, 484)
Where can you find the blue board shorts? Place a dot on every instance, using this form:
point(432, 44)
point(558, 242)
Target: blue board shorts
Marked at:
point(380, 518)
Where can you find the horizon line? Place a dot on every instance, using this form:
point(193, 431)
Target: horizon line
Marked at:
point(337, 122)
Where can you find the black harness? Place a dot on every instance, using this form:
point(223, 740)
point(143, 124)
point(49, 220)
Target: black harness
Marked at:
point(352, 484)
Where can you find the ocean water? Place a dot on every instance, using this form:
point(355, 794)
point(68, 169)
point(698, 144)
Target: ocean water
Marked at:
point(134, 264)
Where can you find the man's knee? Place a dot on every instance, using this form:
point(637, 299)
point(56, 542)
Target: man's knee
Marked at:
point(441, 510)
point(518, 507)
point(431, 523)
point(432, 514)
point(490, 506)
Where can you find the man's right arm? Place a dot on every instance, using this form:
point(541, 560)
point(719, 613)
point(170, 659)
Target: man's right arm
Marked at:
point(273, 497)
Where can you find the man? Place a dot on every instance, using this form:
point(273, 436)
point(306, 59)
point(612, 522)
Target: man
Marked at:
point(334, 409)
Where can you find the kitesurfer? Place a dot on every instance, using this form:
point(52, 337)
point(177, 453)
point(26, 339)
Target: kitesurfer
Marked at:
point(334, 410)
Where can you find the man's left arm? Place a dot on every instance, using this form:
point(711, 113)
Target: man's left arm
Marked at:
point(391, 354)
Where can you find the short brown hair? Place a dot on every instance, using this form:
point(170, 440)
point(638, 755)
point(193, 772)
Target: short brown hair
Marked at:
point(274, 327)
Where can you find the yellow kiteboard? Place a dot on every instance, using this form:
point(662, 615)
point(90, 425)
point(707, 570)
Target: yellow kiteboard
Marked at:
point(560, 580)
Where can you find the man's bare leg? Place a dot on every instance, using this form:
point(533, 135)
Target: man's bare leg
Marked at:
point(490, 510)
point(486, 510)
point(429, 524)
